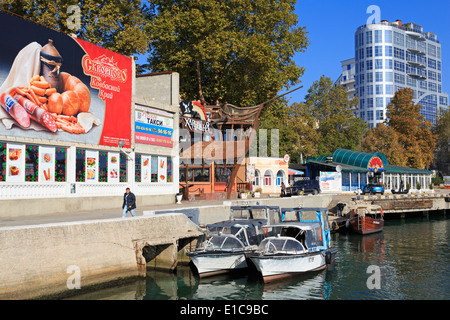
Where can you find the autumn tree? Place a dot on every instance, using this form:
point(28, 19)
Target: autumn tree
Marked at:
point(410, 133)
point(442, 130)
point(115, 25)
point(239, 51)
point(332, 110)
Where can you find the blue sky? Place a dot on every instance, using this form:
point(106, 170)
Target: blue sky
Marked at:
point(331, 26)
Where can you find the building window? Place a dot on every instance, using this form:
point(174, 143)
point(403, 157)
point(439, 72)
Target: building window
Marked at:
point(368, 37)
point(369, 90)
point(80, 173)
point(257, 178)
point(378, 51)
point(388, 36)
point(431, 63)
point(31, 163)
point(379, 115)
point(280, 177)
point(267, 178)
point(369, 103)
point(369, 52)
point(370, 115)
point(137, 168)
point(388, 51)
point(432, 50)
point(399, 53)
point(399, 66)
point(60, 164)
point(378, 76)
point(379, 102)
point(399, 78)
point(103, 166)
point(411, 82)
point(389, 89)
point(379, 89)
point(123, 168)
point(389, 76)
point(369, 64)
point(378, 36)
point(399, 39)
point(378, 63)
point(369, 77)
point(388, 64)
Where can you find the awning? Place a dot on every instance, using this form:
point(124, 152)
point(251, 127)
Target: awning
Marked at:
point(293, 172)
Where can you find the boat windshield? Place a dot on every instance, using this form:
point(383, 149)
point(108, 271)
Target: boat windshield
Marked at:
point(273, 245)
point(221, 242)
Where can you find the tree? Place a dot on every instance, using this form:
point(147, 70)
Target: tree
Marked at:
point(442, 154)
point(408, 132)
point(239, 51)
point(337, 125)
point(385, 140)
point(115, 25)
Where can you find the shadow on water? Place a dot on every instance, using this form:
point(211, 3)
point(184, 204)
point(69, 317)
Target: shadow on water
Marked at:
point(411, 255)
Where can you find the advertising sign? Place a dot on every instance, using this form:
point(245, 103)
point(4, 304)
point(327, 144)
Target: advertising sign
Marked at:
point(91, 166)
point(162, 169)
point(153, 126)
point(330, 181)
point(15, 163)
point(46, 164)
point(56, 87)
point(114, 167)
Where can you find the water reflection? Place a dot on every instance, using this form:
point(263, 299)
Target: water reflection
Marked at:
point(412, 255)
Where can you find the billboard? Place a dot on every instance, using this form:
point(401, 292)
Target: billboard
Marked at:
point(330, 181)
point(56, 87)
point(153, 126)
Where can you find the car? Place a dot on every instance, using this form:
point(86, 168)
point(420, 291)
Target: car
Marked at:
point(372, 188)
point(306, 186)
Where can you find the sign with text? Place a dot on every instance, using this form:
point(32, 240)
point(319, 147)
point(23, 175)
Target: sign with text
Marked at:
point(153, 126)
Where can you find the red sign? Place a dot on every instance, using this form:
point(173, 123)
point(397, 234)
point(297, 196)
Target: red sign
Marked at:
point(375, 164)
point(111, 73)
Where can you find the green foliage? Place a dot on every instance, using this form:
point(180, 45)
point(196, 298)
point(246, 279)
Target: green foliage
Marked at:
point(239, 51)
point(115, 25)
point(442, 130)
point(336, 123)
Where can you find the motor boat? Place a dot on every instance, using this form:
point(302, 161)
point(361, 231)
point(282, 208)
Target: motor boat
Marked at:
point(365, 219)
point(295, 247)
point(226, 243)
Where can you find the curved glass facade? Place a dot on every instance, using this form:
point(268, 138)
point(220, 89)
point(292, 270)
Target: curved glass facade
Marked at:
point(390, 57)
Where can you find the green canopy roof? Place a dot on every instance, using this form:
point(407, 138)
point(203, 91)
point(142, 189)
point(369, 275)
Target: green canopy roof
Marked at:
point(355, 161)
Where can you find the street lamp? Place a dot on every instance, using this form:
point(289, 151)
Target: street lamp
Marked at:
point(120, 144)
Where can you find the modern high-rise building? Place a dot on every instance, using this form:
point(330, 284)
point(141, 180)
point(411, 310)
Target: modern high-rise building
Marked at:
point(390, 57)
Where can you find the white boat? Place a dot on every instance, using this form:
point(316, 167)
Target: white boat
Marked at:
point(226, 243)
point(294, 247)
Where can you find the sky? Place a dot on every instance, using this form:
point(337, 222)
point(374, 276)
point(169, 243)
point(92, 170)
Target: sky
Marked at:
point(331, 26)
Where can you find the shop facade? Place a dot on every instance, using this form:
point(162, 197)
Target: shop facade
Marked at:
point(267, 173)
point(351, 170)
point(127, 131)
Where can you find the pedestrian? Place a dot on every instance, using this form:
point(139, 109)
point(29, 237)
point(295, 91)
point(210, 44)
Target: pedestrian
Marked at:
point(401, 185)
point(129, 203)
point(283, 189)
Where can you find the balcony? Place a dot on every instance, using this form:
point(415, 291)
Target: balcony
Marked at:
point(415, 62)
point(417, 51)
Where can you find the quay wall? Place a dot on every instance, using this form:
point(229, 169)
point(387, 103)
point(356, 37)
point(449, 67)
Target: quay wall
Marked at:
point(40, 260)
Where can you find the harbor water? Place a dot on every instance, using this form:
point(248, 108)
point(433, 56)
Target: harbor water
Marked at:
point(408, 260)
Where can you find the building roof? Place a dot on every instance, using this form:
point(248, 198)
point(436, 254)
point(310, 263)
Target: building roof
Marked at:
point(355, 161)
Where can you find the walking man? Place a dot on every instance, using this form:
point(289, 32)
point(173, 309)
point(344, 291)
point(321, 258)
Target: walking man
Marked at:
point(129, 203)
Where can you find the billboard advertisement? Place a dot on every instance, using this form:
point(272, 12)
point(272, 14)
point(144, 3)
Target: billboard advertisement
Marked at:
point(56, 87)
point(330, 181)
point(153, 126)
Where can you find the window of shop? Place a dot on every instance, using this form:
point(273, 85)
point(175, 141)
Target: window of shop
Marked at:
point(60, 164)
point(154, 173)
point(137, 168)
point(2, 161)
point(31, 163)
point(169, 170)
point(103, 166)
point(223, 173)
point(80, 173)
point(123, 168)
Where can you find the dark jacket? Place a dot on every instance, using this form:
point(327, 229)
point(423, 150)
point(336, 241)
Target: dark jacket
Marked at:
point(131, 200)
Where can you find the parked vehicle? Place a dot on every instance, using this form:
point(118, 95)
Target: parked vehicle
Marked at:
point(372, 188)
point(305, 186)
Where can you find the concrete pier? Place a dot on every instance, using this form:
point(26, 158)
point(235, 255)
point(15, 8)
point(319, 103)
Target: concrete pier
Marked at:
point(47, 259)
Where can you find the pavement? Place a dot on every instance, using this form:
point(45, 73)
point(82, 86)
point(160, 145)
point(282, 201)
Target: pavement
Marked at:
point(117, 213)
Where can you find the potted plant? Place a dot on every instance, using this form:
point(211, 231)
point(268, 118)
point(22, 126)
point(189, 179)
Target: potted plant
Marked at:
point(418, 186)
point(179, 196)
point(257, 192)
point(244, 194)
